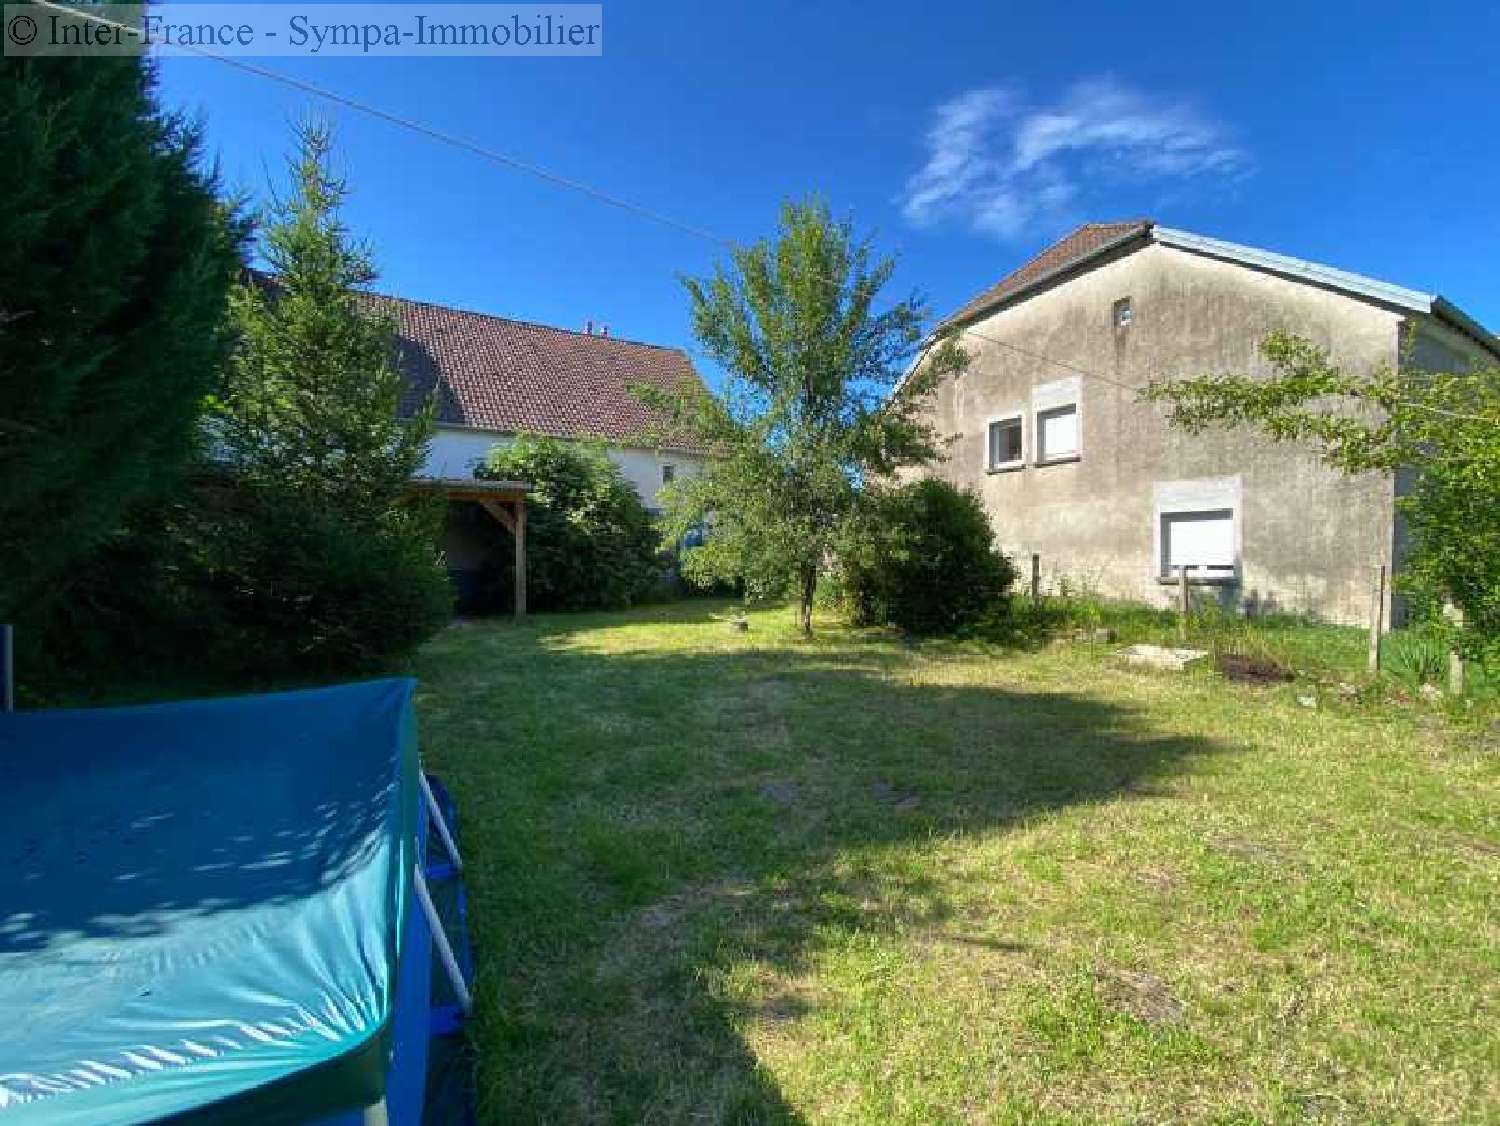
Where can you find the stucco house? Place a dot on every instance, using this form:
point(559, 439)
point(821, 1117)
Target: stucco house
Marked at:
point(494, 378)
point(1045, 424)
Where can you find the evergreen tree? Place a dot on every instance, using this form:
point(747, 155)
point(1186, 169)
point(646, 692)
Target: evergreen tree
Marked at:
point(116, 256)
point(322, 558)
point(313, 393)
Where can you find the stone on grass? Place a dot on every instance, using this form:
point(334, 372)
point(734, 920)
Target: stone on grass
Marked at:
point(1160, 657)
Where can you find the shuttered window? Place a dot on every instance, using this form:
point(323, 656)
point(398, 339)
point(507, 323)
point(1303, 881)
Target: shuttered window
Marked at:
point(1203, 541)
point(1057, 433)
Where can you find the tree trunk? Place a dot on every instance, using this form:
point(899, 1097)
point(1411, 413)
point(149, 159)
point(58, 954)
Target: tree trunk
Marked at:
point(809, 586)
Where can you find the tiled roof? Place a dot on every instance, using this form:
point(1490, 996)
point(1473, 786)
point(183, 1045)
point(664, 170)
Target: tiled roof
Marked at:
point(493, 373)
point(1085, 241)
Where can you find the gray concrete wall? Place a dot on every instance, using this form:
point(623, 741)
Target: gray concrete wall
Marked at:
point(1307, 536)
point(1427, 345)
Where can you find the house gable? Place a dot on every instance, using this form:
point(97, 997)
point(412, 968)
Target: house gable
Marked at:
point(1276, 528)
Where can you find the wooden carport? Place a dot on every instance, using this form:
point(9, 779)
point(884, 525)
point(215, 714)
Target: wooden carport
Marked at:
point(504, 500)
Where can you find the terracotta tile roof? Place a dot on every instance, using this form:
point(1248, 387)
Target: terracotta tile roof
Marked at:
point(1082, 243)
point(498, 374)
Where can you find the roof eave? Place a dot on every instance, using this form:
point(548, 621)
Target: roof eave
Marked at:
point(622, 443)
point(1299, 268)
point(958, 321)
point(1328, 277)
point(1445, 310)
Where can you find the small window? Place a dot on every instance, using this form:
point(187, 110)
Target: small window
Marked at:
point(1005, 443)
point(1123, 313)
point(668, 473)
point(1057, 434)
point(1201, 541)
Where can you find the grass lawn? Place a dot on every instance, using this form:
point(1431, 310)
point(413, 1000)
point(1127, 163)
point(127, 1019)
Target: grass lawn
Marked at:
point(739, 877)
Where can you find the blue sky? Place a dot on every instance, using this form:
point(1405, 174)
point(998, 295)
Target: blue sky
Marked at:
point(964, 136)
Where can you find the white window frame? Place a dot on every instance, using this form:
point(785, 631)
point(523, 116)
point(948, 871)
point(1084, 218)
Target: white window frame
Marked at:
point(1203, 572)
point(992, 466)
point(1186, 498)
point(1047, 399)
point(1042, 457)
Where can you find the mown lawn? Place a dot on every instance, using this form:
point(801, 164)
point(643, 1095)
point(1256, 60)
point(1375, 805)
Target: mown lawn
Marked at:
point(738, 877)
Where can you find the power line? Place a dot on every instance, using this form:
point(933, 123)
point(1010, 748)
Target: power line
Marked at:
point(424, 129)
point(507, 161)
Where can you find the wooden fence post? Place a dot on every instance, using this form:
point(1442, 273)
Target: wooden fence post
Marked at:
point(1455, 658)
point(1036, 578)
point(7, 669)
point(1377, 616)
point(1183, 603)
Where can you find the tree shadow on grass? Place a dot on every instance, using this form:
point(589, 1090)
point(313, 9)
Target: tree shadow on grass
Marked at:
point(662, 841)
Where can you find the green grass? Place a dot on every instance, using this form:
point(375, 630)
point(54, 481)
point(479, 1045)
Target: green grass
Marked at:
point(739, 877)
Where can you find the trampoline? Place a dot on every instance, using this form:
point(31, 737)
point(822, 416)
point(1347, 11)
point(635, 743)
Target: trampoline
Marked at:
point(224, 911)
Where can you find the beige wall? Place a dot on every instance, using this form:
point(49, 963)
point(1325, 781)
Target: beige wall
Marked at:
point(1306, 536)
point(456, 450)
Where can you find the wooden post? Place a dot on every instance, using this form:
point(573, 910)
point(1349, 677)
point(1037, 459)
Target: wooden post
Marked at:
point(1377, 616)
point(520, 536)
point(7, 669)
point(1036, 578)
point(1455, 658)
point(1183, 603)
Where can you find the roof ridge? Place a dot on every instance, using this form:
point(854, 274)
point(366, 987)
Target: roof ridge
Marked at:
point(525, 323)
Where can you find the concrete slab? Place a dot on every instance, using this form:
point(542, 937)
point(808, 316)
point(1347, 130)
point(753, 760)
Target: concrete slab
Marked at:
point(1158, 657)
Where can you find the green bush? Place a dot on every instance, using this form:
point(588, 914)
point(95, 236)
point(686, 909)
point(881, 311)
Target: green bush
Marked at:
point(590, 543)
point(923, 558)
point(298, 587)
point(236, 583)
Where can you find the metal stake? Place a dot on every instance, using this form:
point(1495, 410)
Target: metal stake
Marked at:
point(1377, 617)
point(436, 813)
point(440, 940)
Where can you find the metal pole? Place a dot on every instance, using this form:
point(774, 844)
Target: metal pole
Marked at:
point(7, 669)
point(440, 941)
point(440, 823)
point(1036, 578)
point(1377, 616)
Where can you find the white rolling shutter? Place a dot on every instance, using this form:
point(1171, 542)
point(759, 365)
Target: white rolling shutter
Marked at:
point(1057, 433)
point(1202, 540)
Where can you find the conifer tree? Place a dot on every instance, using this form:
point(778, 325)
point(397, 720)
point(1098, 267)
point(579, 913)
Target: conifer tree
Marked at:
point(116, 257)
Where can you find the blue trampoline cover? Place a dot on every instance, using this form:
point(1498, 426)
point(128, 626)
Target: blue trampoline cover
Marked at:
point(201, 905)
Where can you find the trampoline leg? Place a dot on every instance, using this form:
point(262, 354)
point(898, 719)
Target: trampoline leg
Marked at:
point(376, 1115)
point(442, 826)
point(440, 941)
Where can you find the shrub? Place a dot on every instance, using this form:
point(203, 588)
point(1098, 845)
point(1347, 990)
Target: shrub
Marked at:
point(590, 543)
point(922, 557)
point(298, 586)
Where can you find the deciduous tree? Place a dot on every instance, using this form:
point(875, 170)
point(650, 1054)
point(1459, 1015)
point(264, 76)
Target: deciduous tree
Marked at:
point(807, 414)
point(1439, 431)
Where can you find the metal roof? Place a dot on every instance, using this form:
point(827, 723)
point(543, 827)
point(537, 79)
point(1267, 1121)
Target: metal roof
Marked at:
point(1095, 240)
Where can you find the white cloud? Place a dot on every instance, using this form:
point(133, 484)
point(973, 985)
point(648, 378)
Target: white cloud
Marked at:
point(1005, 167)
